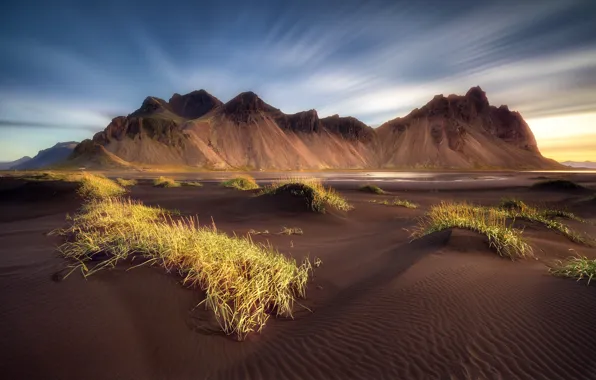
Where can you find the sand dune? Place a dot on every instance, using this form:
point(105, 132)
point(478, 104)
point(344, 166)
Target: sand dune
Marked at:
point(444, 306)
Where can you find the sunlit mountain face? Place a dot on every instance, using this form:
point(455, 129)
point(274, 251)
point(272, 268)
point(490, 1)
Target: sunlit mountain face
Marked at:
point(68, 68)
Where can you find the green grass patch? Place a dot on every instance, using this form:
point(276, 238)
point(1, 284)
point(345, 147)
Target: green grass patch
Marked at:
point(244, 282)
point(396, 202)
point(315, 194)
point(372, 189)
point(557, 184)
point(241, 183)
point(126, 182)
point(492, 223)
point(516, 209)
point(165, 182)
point(95, 186)
point(580, 268)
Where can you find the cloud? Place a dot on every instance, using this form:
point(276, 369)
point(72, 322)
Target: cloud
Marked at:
point(42, 125)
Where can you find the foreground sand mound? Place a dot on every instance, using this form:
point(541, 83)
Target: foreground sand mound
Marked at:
point(297, 197)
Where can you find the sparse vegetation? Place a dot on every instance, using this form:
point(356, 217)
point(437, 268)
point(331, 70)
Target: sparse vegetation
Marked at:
point(165, 182)
point(241, 183)
point(579, 268)
point(492, 223)
point(396, 202)
point(517, 209)
point(372, 189)
point(126, 182)
point(557, 184)
point(316, 195)
point(291, 231)
point(51, 176)
point(244, 282)
point(95, 186)
point(254, 232)
point(192, 183)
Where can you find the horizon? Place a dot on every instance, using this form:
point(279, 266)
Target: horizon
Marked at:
point(64, 81)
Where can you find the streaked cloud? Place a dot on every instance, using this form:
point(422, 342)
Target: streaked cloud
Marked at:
point(374, 60)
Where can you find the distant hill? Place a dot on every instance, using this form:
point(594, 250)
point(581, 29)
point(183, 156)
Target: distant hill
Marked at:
point(48, 157)
point(581, 165)
point(196, 129)
point(10, 164)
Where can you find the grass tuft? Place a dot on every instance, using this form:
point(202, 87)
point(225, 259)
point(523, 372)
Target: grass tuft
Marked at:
point(516, 209)
point(314, 192)
point(165, 182)
point(396, 202)
point(372, 189)
point(126, 182)
point(244, 282)
point(576, 267)
point(492, 223)
point(557, 184)
point(291, 231)
point(192, 183)
point(95, 186)
point(241, 183)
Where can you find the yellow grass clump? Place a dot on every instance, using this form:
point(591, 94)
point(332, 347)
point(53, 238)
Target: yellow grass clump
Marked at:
point(192, 183)
point(126, 182)
point(241, 183)
point(165, 182)
point(244, 282)
point(490, 222)
point(396, 202)
point(312, 189)
point(96, 186)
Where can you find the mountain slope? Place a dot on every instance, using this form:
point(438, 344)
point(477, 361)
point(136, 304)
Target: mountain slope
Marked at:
point(198, 130)
point(460, 132)
point(8, 165)
point(48, 157)
point(580, 165)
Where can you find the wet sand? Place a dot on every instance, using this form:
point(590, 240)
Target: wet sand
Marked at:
point(444, 306)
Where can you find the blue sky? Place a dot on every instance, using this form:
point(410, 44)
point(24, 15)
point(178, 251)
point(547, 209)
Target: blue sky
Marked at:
point(68, 67)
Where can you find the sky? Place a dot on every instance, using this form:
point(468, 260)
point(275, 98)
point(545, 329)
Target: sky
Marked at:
point(68, 67)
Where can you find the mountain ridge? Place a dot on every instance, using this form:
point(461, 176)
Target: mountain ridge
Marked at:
point(197, 129)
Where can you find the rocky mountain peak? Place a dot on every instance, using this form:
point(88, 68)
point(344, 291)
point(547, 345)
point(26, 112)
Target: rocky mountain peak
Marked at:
point(194, 104)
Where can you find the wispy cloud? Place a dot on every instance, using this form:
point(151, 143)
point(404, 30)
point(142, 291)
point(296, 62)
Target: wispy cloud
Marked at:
point(373, 60)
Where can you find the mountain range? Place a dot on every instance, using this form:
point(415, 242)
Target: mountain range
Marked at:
point(44, 158)
point(198, 130)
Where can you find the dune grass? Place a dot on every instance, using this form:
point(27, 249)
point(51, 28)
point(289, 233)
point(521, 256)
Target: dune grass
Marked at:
point(517, 209)
point(244, 282)
point(51, 176)
point(291, 231)
point(579, 268)
point(192, 183)
point(165, 182)
point(313, 190)
point(95, 186)
point(372, 189)
point(396, 202)
point(557, 184)
point(126, 182)
point(241, 183)
point(492, 223)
